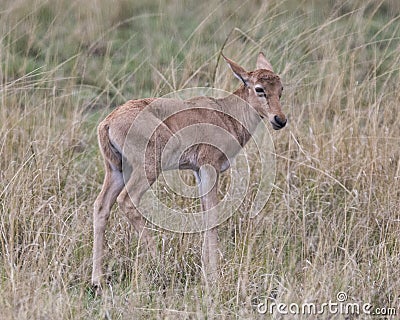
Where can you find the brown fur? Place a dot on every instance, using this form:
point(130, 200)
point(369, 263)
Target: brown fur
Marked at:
point(121, 136)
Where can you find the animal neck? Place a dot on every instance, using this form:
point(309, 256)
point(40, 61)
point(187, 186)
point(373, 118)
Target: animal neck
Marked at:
point(237, 105)
point(247, 109)
point(242, 93)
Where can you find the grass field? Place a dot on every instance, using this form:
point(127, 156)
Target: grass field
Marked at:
point(332, 223)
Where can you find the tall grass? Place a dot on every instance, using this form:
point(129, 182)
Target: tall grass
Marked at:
point(332, 222)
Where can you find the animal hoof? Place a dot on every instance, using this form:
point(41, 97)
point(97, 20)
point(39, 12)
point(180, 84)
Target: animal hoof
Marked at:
point(96, 290)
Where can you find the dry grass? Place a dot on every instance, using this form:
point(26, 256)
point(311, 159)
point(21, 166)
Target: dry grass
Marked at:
point(333, 221)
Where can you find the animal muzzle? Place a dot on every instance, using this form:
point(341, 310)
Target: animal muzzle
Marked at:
point(278, 122)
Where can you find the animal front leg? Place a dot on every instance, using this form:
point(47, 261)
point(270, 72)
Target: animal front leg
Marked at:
point(208, 188)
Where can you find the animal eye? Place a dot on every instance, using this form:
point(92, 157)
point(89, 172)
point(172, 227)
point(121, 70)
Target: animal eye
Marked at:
point(259, 90)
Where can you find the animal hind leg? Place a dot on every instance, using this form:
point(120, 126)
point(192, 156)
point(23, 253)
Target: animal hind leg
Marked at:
point(112, 186)
point(129, 199)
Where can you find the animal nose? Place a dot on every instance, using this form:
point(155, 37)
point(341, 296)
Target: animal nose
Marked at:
point(280, 122)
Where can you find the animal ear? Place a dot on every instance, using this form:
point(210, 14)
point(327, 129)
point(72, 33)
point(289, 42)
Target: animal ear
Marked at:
point(263, 63)
point(237, 70)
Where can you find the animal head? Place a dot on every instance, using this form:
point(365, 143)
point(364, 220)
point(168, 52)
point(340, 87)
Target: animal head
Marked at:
point(264, 89)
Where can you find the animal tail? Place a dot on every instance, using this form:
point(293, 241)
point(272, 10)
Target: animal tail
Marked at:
point(110, 153)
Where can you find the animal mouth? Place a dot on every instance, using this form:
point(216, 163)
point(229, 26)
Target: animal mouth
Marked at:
point(275, 126)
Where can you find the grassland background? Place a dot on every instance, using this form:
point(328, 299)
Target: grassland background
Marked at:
point(333, 221)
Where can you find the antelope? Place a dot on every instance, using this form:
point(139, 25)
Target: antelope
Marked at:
point(238, 114)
